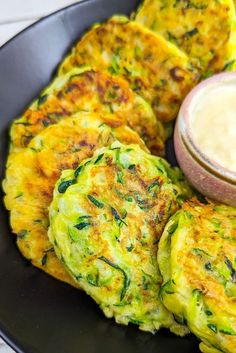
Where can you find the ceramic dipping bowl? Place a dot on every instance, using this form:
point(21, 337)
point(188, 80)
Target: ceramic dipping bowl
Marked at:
point(207, 176)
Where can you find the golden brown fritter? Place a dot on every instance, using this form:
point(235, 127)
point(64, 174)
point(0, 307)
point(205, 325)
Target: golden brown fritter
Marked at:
point(197, 259)
point(92, 91)
point(155, 69)
point(105, 222)
point(204, 29)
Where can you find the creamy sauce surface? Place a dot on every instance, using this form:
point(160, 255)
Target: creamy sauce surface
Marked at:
point(213, 124)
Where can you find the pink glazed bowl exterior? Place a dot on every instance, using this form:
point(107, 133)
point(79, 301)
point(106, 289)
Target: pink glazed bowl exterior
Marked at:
point(209, 178)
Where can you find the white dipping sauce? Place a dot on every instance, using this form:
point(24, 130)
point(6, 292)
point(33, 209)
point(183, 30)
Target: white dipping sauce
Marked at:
point(213, 123)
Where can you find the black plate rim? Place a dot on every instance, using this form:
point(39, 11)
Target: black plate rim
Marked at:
point(8, 339)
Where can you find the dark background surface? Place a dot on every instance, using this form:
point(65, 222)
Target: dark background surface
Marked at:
point(37, 313)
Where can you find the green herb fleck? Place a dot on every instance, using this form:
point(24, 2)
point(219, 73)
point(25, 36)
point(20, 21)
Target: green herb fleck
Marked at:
point(110, 107)
point(124, 214)
point(22, 234)
point(144, 283)
point(199, 252)
point(212, 327)
point(181, 320)
point(128, 198)
point(19, 195)
point(46, 123)
point(208, 266)
point(216, 223)
point(229, 66)
point(83, 217)
point(135, 322)
point(82, 225)
point(202, 199)
point(97, 203)
point(125, 276)
point(197, 294)
point(78, 171)
point(172, 228)
point(42, 99)
point(153, 185)
point(130, 248)
point(206, 74)
point(87, 163)
point(79, 277)
point(117, 217)
point(171, 37)
point(167, 288)
point(99, 158)
point(114, 68)
point(112, 94)
point(188, 214)
point(44, 259)
point(142, 204)
point(120, 176)
point(63, 186)
point(94, 281)
point(191, 33)
point(227, 332)
point(231, 269)
point(132, 167)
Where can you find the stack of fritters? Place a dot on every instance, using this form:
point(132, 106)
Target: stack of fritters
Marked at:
point(33, 171)
point(81, 111)
point(84, 147)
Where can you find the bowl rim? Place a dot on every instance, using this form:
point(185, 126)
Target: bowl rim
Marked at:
point(185, 129)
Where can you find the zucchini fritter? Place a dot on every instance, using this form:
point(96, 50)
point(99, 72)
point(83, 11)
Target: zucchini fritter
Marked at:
point(105, 222)
point(89, 90)
point(155, 69)
point(32, 173)
point(197, 259)
point(204, 29)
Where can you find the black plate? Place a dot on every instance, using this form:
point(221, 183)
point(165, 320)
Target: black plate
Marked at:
point(37, 313)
